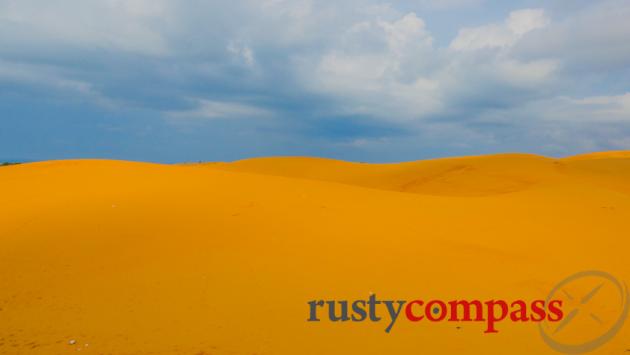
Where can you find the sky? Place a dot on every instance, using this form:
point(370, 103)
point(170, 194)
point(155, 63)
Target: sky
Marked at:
point(176, 81)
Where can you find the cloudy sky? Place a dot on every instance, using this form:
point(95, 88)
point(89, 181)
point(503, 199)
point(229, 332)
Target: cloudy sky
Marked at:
point(168, 81)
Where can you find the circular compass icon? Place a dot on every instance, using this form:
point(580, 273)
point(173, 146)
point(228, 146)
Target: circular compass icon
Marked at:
point(595, 308)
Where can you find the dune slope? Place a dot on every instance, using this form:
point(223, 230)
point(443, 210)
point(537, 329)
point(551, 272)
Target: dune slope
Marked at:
point(134, 258)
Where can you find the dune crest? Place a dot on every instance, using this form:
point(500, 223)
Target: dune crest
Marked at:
point(613, 154)
point(466, 176)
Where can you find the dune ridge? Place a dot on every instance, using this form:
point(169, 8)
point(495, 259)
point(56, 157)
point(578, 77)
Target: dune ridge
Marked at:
point(466, 176)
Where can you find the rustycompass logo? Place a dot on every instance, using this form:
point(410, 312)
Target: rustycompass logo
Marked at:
point(580, 314)
point(491, 312)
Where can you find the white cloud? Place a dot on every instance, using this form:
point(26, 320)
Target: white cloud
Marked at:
point(602, 108)
point(526, 74)
point(614, 109)
point(594, 40)
point(506, 34)
point(391, 69)
point(378, 76)
point(242, 52)
point(48, 78)
point(409, 31)
point(106, 24)
point(449, 4)
point(522, 21)
point(488, 36)
point(214, 109)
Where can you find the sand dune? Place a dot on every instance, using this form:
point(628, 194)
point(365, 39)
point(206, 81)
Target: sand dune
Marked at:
point(222, 258)
point(467, 176)
point(614, 154)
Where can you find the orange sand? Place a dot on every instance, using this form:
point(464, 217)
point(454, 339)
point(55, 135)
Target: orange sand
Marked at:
point(221, 258)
